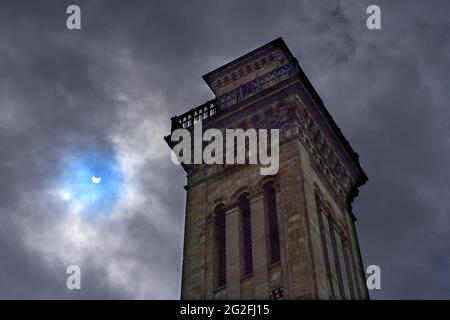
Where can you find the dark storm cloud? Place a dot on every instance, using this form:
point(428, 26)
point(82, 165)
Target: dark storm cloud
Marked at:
point(114, 85)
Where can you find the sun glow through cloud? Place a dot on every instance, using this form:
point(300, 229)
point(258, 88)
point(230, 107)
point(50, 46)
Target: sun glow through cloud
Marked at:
point(91, 182)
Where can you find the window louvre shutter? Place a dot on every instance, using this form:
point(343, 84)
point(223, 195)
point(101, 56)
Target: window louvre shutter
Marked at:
point(274, 233)
point(247, 253)
point(220, 248)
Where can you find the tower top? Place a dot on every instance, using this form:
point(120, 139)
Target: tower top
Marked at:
point(248, 67)
point(260, 74)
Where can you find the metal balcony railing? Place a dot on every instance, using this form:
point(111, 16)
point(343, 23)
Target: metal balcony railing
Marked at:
point(235, 96)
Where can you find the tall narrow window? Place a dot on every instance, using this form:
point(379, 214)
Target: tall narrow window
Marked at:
point(326, 240)
point(220, 247)
point(274, 233)
point(247, 256)
point(340, 263)
point(349, 267)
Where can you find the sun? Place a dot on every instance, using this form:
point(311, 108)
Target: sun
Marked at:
point(96, 180)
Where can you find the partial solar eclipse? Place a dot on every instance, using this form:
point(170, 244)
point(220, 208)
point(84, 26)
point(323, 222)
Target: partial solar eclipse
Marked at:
point(91, 182)
point(96, 180)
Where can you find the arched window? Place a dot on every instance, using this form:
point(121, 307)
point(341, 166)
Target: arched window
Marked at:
point(246, 240)
point(220, 247)
point(272, 218)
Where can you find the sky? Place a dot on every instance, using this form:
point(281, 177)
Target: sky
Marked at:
point(107, 92)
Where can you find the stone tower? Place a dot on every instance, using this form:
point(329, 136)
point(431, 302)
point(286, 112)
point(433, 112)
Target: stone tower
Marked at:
point(286, 236)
